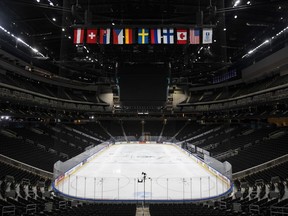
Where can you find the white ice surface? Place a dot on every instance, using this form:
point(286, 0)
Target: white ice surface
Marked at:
point(115, 172)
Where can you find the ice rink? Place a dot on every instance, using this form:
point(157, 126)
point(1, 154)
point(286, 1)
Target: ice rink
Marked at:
point(116, 174)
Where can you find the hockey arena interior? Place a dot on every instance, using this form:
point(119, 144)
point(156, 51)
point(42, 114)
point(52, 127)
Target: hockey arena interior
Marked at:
point(143, 107)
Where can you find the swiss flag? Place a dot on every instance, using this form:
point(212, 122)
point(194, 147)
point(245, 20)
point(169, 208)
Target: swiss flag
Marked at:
point(91, 36)
point(78, 36)
point(181, 36)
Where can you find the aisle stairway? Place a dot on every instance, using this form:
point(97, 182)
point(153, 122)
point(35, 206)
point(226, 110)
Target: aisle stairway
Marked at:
point(142, 211)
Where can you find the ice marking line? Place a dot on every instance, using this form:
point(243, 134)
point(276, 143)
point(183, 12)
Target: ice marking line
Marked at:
point(78, 168)
point(123, 165)
point(99, 182)
point(187, 183)
point(205, 167)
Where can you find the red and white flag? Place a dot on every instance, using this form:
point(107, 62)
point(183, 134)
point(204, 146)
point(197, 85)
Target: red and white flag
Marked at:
point(181, 36)
point(91, 36)
point(78, 36)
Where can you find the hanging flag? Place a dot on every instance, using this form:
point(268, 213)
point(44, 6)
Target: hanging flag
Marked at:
point(155, 36)
point(118, 36)
point(143, 35)
point(129, 36)
point(91, 36)
point(168, 36)
point(181, 36)
point(78, 36)
point(194, 36)
point(104, 36)
point(207, 35)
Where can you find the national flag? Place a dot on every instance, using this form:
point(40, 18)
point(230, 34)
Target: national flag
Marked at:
point(118, 36)
point(155, 36)
point(143, 35)
point(104, 36)
point(194, 36)
point(91, 36)
point(207, 35)
point(129, 36)
point(78, 36)
point(168, 36)
point(181, 36)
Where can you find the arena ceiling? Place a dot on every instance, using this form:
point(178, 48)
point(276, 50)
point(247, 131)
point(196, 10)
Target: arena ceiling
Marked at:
point(238, 27)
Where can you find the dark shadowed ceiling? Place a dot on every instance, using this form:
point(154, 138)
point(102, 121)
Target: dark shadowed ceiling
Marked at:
point(238, 27)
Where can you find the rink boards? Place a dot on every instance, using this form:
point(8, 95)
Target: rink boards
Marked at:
point(115, 174)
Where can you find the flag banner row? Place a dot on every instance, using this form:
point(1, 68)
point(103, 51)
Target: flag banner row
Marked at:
point(143, 36)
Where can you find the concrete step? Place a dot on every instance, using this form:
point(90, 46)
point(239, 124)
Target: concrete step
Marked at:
point(140, 211)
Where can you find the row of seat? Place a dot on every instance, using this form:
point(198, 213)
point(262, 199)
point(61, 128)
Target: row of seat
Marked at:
point(20, 174)
point(262, 152)
point(279, 170)
point(58, 207)
point(241, 89)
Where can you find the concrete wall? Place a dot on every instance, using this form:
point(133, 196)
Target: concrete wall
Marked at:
point(107, 98)
point(178, 97)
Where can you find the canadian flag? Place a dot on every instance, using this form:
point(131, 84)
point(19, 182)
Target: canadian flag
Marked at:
point(181, 36)
point(91, 36)
point(78, 36)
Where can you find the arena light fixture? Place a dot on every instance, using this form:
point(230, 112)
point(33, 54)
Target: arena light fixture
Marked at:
point(35, 50)
point(51, 3)
point(21, 41)
point(253, 50)
point(236, 3)
point(265, 42)
point(5, 117)
point(86, 49)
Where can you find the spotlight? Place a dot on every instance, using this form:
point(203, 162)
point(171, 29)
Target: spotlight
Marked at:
point(236, 3)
